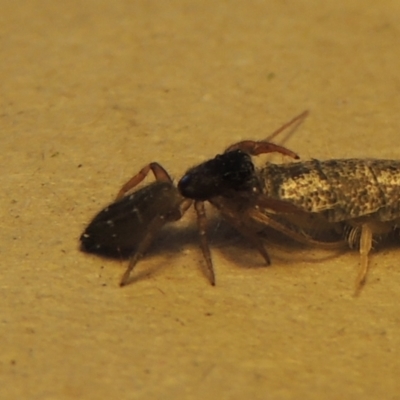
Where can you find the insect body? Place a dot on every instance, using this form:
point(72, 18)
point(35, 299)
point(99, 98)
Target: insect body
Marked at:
point(351, 199)
point(361, 195)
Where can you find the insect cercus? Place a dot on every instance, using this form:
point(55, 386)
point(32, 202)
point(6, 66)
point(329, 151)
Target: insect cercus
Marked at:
point(345, 200)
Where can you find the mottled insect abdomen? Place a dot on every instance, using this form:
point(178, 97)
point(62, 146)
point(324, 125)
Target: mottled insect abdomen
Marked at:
point(340, 190)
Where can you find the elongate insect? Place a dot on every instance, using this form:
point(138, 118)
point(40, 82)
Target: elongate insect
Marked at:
point(354, 200)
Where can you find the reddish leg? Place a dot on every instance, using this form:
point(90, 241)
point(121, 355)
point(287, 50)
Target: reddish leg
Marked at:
point(158, 171)
point(255, 148)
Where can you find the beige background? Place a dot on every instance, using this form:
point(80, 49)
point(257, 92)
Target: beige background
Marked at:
point(91, 91)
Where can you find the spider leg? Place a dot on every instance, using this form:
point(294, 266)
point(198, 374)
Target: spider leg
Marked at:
point(155, 225)
point(202, 227)
point(251, 236)
point(241, 224)
point(158, 171)
point(255, 148)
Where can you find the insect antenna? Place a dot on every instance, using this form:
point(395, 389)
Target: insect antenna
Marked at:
point(295, 122)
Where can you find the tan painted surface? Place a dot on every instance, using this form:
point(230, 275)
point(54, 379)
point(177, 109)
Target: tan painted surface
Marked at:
point(91, 91)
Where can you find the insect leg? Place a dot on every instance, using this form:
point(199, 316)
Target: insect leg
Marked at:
point(202, 226)
point(365, 248)
point(159, 173)
point(258, 216)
